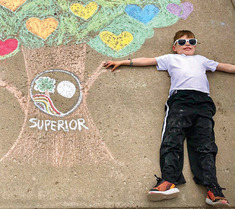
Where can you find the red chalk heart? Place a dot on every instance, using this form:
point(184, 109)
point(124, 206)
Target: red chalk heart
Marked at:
point(8, 46)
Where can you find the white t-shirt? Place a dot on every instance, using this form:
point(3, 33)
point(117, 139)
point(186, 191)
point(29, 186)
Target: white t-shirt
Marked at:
point(187, 72)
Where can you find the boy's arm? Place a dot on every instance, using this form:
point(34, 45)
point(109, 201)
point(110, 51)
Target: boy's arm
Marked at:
point(133, 62)
point(229, 68)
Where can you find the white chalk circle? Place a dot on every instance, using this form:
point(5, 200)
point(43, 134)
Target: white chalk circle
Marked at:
point(66, 89)
point(47, 101)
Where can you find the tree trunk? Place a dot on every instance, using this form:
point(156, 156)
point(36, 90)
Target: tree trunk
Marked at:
point(60, 148)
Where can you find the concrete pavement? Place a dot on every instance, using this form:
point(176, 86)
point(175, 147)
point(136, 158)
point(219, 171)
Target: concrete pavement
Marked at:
point(113, 165)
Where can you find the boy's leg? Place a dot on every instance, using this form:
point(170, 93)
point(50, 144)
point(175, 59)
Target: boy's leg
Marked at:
point(171, 151)
point(201, 145)
point(202, 152)
point(172, 156)
point(177, 121)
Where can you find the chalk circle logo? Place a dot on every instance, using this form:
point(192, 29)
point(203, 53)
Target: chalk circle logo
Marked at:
point(56, 92)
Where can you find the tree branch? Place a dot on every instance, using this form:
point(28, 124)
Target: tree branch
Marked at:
point(93, 78)
point(17, 94)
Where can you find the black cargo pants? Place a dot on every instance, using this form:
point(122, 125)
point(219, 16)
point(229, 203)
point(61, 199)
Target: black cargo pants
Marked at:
point(189, 115)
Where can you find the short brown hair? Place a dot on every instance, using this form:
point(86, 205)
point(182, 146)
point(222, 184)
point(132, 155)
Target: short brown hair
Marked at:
point(181, 33)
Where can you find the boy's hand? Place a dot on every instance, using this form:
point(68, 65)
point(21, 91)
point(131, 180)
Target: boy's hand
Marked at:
point(112, 63)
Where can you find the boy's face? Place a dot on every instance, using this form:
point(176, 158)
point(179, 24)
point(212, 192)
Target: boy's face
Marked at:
point(186, 49)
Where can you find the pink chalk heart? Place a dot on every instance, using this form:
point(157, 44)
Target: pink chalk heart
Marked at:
point(8, 46)
point(182, 11)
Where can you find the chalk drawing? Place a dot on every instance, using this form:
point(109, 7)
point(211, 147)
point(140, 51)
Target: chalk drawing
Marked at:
point(182, 11)
point(84, 12)
point(42, 86)
point(140, 20)
point(116, 42)
point(16, 93)
point(12, 5)
point(42, 28)
point(144, 15)
point(53, 36)
point(66, 89)
point(54, 23)
point(60, 142)
point(8, 47)
point(60, 125)
point(45, 104)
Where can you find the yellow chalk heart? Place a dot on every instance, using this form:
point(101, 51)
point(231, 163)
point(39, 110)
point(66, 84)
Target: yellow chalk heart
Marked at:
point(13, 5)
point(42, 28)
point(116, 42)
point(84, 12)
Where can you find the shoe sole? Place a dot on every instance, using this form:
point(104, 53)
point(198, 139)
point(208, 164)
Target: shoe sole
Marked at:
point(217, 204)
point(162, 195)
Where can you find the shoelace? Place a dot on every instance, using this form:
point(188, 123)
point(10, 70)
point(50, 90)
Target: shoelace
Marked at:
point(216, 190)
point(158, 180)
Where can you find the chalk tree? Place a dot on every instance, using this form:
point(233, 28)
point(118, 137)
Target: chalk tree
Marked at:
point(53, 36)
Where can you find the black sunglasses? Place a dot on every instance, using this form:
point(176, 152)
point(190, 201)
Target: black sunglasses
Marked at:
point(182, 42)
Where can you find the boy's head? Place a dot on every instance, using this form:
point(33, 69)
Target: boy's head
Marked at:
point(184, 42)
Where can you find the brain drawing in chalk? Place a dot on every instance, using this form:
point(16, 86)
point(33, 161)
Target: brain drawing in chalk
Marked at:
point(114, 28)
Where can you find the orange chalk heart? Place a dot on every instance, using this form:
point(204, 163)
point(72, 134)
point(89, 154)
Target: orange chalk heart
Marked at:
point(42, 28)
point(13, 5)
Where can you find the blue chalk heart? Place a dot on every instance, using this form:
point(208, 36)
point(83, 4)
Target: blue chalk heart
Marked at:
point(143, 15)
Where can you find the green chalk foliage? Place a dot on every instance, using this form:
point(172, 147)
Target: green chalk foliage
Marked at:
point(109, 16)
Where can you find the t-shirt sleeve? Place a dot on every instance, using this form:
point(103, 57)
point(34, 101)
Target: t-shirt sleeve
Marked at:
point(162, 62)
point(210, 65)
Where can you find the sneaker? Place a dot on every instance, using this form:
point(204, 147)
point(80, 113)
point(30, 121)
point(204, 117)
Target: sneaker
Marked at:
point(163, 190)
point(215, 197)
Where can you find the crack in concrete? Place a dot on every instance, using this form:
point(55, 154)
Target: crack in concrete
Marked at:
point(233, 3)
